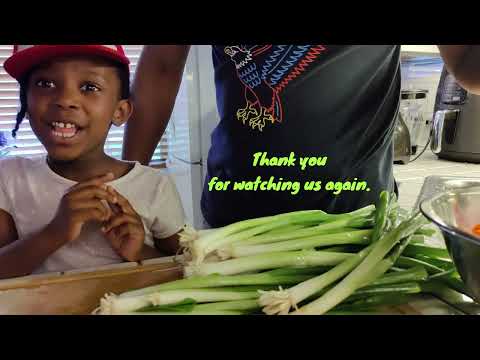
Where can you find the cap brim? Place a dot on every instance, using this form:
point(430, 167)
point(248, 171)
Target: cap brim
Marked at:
point(20, 63)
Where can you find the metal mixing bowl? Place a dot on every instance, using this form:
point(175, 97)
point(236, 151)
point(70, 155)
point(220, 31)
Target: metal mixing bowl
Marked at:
point(456, 212)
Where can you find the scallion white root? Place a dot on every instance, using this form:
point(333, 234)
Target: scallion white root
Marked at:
point(111, 304)
point(188, 235)
point(276, 302)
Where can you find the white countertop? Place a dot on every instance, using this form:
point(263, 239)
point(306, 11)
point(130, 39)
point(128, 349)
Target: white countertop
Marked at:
point(412, 175)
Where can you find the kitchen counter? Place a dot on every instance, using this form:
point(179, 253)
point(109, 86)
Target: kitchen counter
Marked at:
point(412, 176)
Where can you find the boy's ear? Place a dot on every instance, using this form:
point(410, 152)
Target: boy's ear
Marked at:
point(123, 112)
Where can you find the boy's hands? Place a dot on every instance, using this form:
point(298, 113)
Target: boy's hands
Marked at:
point(83, 203)
point(125, 229)
point(87, 201)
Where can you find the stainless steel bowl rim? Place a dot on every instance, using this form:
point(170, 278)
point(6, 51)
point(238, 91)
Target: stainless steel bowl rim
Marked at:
point(426, 209)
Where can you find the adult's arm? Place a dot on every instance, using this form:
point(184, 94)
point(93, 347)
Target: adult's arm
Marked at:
point(154, 90)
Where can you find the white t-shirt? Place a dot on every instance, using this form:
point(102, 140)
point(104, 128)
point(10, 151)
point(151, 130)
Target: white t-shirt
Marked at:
point(31, 192)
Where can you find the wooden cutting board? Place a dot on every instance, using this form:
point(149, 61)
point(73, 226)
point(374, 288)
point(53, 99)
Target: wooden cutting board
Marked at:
point(79, 292)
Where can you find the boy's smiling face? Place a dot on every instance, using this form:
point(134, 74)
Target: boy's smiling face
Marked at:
point(71, 104)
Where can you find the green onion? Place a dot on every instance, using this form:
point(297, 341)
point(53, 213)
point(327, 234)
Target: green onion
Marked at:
point(387, 263)
point(381, 215)
point(230, 305)
point(112, 304)
point(456, 284)
point(442, 274)
point(186, 305)
point(190, 306)
point(408, 262)
point(360, 275)
point(299, 270)
point(445, 264)
point(451, 281)
point(245, 229)
point(406, 288)
point(378, 278)
point(418, 239)
point(283, 229)
point(331, 227)
point(275, 277)
point(308, 262)
point(228, 234)
point(434, 252)
point(350, 237)
point(417, 273)
point(280, 302)
point(444, 291)
point(344, 248)
point(266, 261)
point(376, 301)
point(377, 290)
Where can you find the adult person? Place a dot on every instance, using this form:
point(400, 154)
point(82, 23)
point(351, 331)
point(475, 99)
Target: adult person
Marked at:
point(334, 102)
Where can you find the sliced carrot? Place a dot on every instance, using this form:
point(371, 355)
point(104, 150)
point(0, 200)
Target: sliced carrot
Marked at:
point(476, 229)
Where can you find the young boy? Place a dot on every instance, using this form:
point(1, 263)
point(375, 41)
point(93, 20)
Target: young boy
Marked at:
point(77, 207)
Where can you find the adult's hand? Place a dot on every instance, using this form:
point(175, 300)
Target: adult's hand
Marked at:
point(463, 62)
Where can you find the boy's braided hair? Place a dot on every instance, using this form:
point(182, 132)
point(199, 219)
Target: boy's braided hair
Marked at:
point(123, 74)
point(23, 104)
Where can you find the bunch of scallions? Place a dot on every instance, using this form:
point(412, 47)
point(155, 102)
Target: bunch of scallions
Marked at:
point(303, 262)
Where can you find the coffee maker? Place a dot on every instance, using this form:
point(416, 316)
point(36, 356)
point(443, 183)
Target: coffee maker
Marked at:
point(456, 122)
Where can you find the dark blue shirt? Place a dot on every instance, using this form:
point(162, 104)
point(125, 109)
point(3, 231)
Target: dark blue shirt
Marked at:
point(332, 101)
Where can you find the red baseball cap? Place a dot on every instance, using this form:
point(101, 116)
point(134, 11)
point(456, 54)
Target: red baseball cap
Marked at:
point(27, 56)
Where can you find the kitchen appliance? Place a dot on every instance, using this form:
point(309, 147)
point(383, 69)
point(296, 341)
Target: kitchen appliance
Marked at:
point(456, 122)
point(402, 149)
point(410, 125)
point(411, 107)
